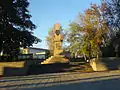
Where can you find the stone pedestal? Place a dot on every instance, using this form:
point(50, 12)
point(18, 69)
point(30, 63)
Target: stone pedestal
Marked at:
point(58, 52)
point(97, 65)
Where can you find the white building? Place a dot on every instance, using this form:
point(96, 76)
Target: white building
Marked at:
point(37, 52)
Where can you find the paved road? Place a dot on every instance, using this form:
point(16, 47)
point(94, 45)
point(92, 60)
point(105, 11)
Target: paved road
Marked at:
point(64, 81)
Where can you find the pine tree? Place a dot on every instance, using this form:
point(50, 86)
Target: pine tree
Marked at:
point(16, 28)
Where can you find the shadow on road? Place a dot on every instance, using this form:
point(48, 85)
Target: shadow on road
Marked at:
point(111, 82)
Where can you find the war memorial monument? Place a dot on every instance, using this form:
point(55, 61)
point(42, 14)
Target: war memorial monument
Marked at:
point(57, 57)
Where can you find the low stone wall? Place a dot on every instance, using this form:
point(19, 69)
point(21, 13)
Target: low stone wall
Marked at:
point(15, 68)
point(103, 64)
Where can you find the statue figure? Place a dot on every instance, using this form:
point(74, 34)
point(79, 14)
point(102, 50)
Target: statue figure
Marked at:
point(58, 38)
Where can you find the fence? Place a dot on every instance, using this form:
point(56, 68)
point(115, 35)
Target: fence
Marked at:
point(22, 57)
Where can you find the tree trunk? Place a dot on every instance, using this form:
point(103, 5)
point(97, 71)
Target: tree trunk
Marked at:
point(84, 57)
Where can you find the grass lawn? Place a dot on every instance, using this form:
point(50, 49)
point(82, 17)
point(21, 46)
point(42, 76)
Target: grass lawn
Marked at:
point(78, 67)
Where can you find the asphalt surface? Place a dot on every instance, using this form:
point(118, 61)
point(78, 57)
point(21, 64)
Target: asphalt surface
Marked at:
point(64, 81)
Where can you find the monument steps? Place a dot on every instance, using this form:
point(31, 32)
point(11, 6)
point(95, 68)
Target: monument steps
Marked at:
point(55, 59)
point(47, 60)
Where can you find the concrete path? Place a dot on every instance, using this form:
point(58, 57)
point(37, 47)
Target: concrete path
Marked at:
point(64, 81)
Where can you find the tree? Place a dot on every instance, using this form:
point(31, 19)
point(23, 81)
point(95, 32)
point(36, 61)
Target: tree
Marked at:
point(49, 40)
point(88, 33)
point(111, 13)
point(16, 28)
point(74, 38)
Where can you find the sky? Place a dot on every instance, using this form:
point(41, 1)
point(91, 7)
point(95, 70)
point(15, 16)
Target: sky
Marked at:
point(45, 13)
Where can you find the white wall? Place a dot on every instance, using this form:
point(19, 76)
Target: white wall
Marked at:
point(38, 53)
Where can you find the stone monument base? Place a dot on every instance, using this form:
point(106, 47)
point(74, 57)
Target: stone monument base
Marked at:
point(106, 63)
point(97, 65)
point(55, 59)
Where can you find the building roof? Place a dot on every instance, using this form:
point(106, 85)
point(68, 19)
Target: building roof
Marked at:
point(38, 48)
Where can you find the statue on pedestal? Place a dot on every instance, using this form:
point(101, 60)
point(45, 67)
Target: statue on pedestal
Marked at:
point(57, 50)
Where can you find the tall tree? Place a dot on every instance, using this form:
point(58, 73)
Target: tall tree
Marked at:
point(88, 32)
point(16, 28)
point(49, 40)
point(111, 13)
